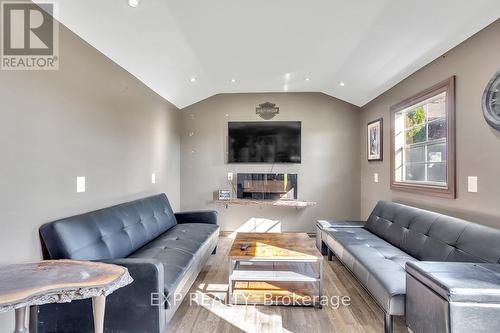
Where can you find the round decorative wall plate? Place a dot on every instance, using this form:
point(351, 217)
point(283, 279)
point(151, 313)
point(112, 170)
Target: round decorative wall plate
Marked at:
point(491, 102)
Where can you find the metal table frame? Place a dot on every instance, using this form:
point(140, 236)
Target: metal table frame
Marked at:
point(282, 277)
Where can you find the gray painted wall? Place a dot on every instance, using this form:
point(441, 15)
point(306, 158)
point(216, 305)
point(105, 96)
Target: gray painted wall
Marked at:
point(328, 174)
point(91, 118)
point(478, 146)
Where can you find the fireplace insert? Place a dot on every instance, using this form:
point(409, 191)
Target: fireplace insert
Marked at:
point(267, 186)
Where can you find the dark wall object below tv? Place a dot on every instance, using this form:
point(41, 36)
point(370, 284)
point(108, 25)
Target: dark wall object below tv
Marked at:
point(267, 186)
point(264, 142)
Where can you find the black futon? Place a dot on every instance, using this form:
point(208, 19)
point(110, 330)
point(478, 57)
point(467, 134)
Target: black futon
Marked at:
point(376, 251)
point(164, 253)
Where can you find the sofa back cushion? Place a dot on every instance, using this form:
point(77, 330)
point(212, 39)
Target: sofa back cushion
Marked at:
point(108, 233)
point(432, 236)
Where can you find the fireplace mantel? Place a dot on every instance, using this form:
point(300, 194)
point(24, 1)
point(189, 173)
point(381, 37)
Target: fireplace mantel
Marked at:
point(273, 203)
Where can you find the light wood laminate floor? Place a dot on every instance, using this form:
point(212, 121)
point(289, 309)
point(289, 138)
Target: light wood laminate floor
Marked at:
point(205, 311)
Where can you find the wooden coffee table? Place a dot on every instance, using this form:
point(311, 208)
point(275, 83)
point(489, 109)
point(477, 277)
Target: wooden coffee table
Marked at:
point(276, 269)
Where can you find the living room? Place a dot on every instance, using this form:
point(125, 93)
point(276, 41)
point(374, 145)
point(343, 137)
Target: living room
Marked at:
point(188, 166)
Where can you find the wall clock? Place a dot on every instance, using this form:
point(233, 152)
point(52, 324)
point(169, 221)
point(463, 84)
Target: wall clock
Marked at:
point(491, 102)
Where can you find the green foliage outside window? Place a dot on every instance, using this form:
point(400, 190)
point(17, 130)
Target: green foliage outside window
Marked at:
point(416, 133)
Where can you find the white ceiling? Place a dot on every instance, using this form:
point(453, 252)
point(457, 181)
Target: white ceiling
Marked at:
point(273, 45)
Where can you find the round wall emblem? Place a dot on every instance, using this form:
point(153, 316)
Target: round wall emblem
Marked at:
point(491, 102)
point(267, 110)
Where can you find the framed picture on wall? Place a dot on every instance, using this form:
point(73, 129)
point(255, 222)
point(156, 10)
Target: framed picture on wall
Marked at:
point(375, 144)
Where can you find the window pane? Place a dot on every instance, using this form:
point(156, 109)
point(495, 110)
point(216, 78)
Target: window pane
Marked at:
point(399, 174)
point(415, 172)
point(436, 172)
point(415, 154)
point(436, 108)
point(437, 153)
point(415, 117)
point(437, 129)
point(416, 134)
point(399, 131)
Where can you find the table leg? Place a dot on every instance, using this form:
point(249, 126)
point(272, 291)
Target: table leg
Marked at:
point(98, 306)
point(21, 316)
point(320, 287)
point(230, 287)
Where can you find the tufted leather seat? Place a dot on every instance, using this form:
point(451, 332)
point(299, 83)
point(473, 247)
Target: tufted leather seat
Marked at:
point(176, 249)
point(394, 234)
point(430, 236)
point(377, 264)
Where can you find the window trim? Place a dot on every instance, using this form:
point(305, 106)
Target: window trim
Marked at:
point(449, 191)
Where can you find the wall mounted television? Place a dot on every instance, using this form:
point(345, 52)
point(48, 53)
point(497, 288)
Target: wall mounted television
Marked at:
point(264, 142)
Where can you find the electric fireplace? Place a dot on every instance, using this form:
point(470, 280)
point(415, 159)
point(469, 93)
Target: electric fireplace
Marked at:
point(267, 186)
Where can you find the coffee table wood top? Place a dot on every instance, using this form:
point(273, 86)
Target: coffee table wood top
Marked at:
point(57, 281)
point(274, 247)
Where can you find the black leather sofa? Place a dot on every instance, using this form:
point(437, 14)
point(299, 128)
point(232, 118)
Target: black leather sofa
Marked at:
point(164, 253)
point(376, 251)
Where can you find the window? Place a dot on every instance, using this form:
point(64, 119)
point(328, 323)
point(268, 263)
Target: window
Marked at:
point(423, 142)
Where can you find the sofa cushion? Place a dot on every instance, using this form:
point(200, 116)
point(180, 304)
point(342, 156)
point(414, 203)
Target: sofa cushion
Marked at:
point(432, 236)
point(176, 249)
point(377, 264)
point(108, 233)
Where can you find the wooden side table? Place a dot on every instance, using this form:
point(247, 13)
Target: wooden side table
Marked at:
point(58, 281)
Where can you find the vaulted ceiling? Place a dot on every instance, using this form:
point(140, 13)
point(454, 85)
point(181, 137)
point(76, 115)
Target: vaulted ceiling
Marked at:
point(275, 45)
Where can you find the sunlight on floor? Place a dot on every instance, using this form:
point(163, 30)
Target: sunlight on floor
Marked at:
point(247, 318)
point(256, 224)
point(213, 287)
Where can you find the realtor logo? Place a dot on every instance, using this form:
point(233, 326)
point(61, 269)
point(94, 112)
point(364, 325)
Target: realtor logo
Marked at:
point(29, 36)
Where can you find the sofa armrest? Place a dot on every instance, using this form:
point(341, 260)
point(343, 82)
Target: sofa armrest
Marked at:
point(129, 309)
point(147, 274)
point(138, 307)
point(341, 224)
point(202, 216)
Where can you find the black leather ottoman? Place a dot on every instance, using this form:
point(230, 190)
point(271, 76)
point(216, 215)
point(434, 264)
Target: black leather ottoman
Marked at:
point(452, 297)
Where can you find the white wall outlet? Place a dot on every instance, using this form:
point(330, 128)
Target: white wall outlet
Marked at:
point(375, 177)
point(230, 176)
point(153, 178)
point(80, 184)
point(472, 184)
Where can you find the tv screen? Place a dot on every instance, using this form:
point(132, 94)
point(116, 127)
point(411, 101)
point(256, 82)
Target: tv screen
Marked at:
point(264, 142)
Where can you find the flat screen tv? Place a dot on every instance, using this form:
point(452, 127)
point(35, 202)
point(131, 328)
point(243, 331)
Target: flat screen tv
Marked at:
point(264, 142)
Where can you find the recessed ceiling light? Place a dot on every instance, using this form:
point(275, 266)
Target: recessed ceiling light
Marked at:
point(192, 79)
point(233, 80)
point(341, 83)
point(307, 79)
point(134, 3)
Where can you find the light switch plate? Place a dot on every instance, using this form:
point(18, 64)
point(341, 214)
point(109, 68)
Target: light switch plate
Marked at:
point(153, 178)
point(375, 177)
point(472, 184)
point(80, 184)
point(230, 176)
